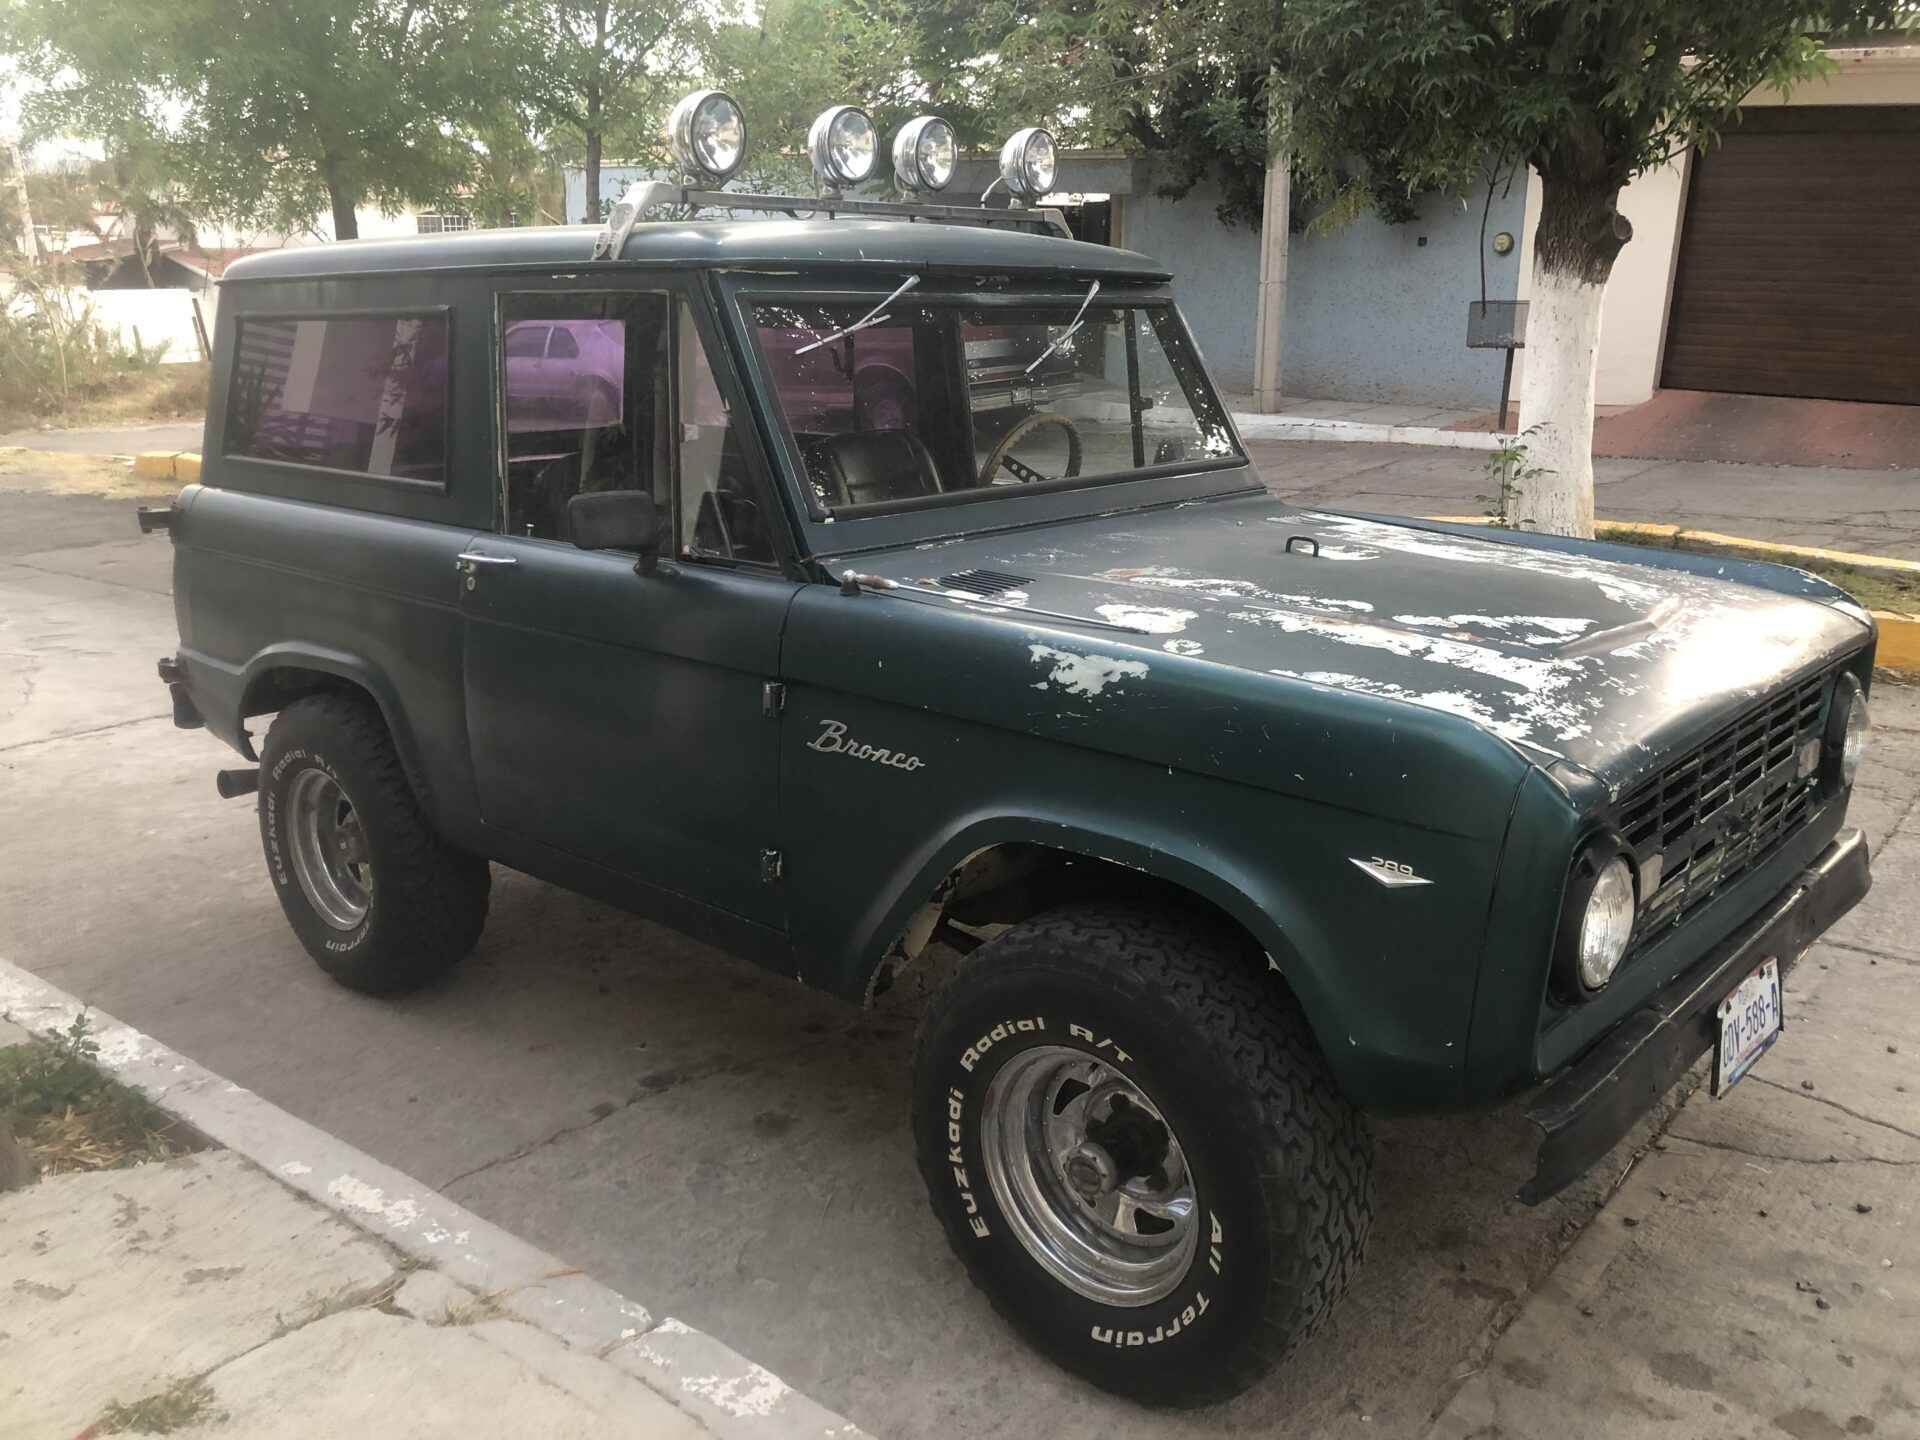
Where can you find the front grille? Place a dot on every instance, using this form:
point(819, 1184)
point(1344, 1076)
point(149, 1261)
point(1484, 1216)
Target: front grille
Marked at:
point(1712, 815)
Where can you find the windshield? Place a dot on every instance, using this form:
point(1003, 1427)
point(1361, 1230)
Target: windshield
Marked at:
point(930, 403)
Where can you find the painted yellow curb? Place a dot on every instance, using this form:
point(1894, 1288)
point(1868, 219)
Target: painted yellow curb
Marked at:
point(182, 467)
point(1899, 647)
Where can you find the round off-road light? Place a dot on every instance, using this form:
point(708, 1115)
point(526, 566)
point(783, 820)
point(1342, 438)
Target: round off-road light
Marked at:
point(1606, 925)
point(1028, 163)
point(923, 154)
point(843, 145)
point(707, 133)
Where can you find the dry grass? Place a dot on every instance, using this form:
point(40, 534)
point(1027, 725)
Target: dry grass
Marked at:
point(49, 472)
point(155, 395)
point(68, 1116)
point(179, 1405)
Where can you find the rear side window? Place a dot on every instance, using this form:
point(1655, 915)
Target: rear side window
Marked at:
point(360, 393)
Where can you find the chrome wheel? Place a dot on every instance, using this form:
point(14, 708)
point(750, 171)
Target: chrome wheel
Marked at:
point(329, 845)
point(1090, 1176)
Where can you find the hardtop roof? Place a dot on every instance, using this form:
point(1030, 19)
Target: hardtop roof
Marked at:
point(733, 244)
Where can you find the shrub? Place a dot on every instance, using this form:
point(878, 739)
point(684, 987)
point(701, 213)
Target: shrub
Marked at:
point(54, 353)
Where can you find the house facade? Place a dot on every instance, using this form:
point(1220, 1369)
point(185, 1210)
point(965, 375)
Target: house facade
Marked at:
point(1783, 261)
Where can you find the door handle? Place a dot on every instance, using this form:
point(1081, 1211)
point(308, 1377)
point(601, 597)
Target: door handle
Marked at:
point(468, 561)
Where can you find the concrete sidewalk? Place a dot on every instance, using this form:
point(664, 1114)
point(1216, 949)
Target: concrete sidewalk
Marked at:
point(202, 1290)
point(207, 1294)
point(1873, 512)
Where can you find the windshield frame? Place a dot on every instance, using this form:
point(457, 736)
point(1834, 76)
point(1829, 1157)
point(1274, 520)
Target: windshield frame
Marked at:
point(957, 513)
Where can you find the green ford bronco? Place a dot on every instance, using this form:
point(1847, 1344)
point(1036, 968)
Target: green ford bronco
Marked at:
point(890, 578)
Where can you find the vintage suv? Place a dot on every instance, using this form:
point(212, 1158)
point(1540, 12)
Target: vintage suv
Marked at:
point(1247, 819)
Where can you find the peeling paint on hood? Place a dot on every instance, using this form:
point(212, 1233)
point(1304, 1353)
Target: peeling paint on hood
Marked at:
point(1595, 659)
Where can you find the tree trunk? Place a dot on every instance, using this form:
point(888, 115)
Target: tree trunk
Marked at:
point(592, 217)
point(1580, 233)
point(345, 225)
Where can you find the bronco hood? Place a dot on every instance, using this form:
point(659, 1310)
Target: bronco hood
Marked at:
point(1582, 653)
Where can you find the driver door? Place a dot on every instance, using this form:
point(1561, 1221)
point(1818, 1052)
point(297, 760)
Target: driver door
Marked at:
point(614, 716)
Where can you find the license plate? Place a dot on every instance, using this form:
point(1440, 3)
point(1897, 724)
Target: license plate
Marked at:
point(1750, 1021)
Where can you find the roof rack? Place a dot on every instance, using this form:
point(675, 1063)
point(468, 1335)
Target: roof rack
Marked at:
point(650, 194)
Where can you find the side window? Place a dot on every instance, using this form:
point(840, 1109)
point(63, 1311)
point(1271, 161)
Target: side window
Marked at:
point(363, 393)
point(585, 380)
point(722, 511)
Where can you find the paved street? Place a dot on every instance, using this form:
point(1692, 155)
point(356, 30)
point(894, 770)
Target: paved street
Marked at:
point(729, 1149)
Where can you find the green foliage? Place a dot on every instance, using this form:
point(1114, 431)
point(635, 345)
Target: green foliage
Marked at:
point(268, 112)
point(50, 1072)
point(1184, 81)
point(53, 352)
point(897, 58)
point(71, 1116)
point(1589, 92)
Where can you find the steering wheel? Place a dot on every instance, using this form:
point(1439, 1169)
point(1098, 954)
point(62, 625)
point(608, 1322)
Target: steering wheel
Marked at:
point(1026, 474)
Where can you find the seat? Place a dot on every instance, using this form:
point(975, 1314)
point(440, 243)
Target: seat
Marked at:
point(873, 466)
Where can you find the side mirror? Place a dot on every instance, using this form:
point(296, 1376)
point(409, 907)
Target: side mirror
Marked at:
point(617, 520)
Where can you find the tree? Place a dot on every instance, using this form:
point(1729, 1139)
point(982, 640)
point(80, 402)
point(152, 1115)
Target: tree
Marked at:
point(1589, 93)
point(272, 111)
point(615, 68)
point(139, 179)
point(894, 58)
point(1183, 82)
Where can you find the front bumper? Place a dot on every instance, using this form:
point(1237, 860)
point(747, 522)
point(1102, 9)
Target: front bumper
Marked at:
point(1586, 1110)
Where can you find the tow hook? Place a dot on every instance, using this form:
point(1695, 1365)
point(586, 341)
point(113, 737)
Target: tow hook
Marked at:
point(232, 784)
point(155, 517)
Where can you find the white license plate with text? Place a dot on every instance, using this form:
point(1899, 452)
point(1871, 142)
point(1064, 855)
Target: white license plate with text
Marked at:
point(1750, 1021)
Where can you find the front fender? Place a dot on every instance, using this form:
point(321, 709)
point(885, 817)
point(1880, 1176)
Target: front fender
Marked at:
point(1386, 976)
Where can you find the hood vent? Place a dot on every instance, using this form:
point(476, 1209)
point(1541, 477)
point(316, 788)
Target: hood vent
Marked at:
point(984, 583)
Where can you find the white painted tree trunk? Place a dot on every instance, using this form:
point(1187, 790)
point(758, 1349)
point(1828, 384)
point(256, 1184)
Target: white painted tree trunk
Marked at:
point(1552, 488)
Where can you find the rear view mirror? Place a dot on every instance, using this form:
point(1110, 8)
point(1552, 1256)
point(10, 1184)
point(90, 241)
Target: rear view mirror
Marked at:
point(617, 520)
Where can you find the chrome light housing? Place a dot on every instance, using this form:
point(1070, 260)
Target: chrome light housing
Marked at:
point(708, 134)
point(1596, 920)
point(843, 146)
point(1029, 162)
point(1848, 727)
point(924, 153)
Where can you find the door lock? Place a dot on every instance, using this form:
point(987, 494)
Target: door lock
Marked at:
point(470, 562)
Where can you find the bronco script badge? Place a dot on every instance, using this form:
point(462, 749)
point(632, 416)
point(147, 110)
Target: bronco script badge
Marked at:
point(832, 740)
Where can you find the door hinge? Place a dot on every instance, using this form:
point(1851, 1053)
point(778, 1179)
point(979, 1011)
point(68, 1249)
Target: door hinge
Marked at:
point(772, 866)
point(773, 699)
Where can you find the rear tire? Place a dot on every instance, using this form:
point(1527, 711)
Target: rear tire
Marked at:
point(378, 899)
point(1230, 1240)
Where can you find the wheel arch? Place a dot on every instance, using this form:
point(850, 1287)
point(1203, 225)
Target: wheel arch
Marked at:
point(281, 674)
point(1014, 867)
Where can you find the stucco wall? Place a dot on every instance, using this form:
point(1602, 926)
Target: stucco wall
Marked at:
point(1215, 273)
point(1374, 314)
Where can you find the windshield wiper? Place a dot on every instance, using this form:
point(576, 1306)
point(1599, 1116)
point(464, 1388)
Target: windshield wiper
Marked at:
point(1068, 333)
point(873, 317)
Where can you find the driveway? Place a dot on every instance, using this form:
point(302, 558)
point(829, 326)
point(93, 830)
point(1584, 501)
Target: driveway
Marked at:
point(703, 1136)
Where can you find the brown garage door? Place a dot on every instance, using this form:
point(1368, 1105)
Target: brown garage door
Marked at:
point(1799, 269)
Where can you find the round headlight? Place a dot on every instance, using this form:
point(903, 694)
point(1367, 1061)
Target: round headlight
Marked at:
point(707, 133)
point(1028, 163)
point(843, 145)
point(923, 154)
point(1606, 925)
point(1848, 727)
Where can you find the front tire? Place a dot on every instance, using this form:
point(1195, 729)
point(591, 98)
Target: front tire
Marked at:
point(1138, 1151)
point(378, 899)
